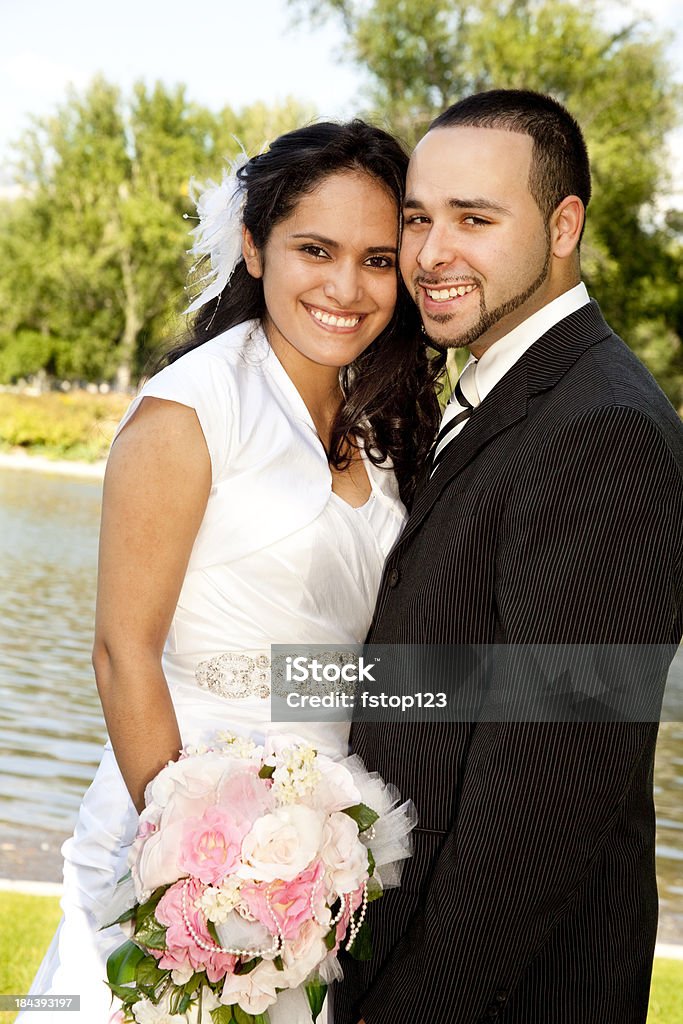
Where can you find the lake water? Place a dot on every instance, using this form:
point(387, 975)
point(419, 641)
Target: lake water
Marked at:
point(51, 728)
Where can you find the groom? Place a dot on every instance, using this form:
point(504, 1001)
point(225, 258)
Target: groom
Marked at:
point(551, 514)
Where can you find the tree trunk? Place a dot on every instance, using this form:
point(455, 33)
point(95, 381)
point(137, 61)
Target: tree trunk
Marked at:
point(132, 324)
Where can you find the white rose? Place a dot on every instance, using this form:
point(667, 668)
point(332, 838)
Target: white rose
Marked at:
point(181, 975)
point(255, 991)
point(153, 860)
point(343, 854)
point(281, 844)
point(145, 1012)
point(301, 956)
point(209, 1003)
point(186, 787)
point(175, 773)
point(336, 788)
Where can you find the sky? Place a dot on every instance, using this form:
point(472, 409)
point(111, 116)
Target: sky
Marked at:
point(228, 52)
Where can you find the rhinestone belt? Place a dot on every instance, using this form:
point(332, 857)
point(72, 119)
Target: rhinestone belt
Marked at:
point(235, 675)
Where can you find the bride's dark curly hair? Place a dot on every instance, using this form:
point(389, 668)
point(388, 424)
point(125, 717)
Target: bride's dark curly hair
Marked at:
point(390, 389)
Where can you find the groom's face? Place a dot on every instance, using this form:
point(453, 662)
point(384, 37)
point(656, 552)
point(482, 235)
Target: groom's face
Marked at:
point(476, 249)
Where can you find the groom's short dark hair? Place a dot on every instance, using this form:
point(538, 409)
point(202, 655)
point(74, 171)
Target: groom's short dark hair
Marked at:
point(559, 165)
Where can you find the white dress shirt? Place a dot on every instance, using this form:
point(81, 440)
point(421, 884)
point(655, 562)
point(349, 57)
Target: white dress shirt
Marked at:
point(505, 352)
point(501, 357)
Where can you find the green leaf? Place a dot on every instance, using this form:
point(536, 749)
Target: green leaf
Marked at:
point(127, 915)
point(122, 963)
point(278, 963)
point(151, 934)
point(375, 890)
point(149, 974)
point(147, 908)
point(193, 984)
point(148, 931)
point(211, 929)
point(184, 1003)
point(363, 816)
point(315, 993)
point(362, 944)
point(248, 966)
point(139, 912)
point(222, 1015)
point(242, 1017)
point(126, 995)
point(331, 938)
point(267, 771)
point(371, 863)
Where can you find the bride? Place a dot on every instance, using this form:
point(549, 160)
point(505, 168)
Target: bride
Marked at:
point(249, 497)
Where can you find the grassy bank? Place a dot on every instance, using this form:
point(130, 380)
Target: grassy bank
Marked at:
point(76, 425)
point(29, 921)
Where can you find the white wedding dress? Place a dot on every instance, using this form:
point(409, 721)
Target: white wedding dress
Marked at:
point(279, 558)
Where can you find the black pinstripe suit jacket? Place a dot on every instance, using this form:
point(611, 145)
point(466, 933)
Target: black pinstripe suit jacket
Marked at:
point(555, 517)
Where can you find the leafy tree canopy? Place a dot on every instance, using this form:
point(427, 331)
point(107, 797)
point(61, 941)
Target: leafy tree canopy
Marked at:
point(93, 255)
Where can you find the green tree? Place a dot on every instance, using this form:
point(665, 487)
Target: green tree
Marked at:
point(93, 255)
point(422, 55)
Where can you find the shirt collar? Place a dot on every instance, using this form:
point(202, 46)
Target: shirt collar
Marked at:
point(505, 352)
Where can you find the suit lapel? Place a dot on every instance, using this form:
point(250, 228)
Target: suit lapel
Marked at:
point(486, 422)
point(540, 368)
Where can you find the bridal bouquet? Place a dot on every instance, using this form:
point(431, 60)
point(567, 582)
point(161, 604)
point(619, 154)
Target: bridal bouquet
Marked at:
point(251, 867)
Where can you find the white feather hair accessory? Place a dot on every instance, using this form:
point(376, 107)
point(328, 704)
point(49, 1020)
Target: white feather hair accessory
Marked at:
point(218, 235)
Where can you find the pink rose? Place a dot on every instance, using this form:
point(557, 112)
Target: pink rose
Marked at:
point(146, 829)
point(207, 781)
point(290, 901)
point(211, 845)
point(182, 948)
point(245, 795)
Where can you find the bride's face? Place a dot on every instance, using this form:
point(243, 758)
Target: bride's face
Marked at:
point(329, 271)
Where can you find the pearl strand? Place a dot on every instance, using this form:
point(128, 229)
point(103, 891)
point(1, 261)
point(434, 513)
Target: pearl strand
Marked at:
point(355, 925)
point(276, 948)
point(340, 913)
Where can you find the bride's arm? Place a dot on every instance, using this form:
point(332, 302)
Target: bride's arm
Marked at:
point(155, 492)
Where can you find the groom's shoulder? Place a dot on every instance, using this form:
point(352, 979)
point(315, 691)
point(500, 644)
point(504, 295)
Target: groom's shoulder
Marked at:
point(591, 394)
point(611, 375)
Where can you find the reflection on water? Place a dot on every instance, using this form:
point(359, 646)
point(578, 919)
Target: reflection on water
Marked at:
point(51, 728)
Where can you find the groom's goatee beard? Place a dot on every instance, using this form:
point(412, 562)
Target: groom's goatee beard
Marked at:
point(487, 318)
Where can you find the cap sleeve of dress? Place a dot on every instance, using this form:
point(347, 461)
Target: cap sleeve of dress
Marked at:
point(204, 381)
